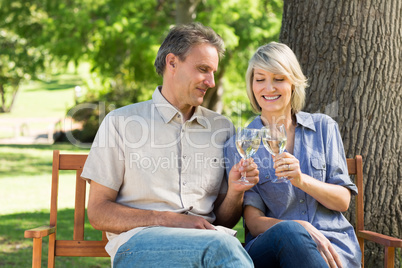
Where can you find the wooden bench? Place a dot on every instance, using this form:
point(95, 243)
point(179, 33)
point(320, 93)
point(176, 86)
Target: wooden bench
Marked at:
point(77, 247)
point(96, 248)
point(355, 167)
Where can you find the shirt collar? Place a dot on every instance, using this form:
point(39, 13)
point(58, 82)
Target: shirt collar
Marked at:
point(167, 111)
point(305, 120)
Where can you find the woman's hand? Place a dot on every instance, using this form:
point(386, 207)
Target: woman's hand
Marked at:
point(332, 196)
point(286, 165)
point(325, 248)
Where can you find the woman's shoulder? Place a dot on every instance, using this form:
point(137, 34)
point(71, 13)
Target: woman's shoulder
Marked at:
point(316, 118)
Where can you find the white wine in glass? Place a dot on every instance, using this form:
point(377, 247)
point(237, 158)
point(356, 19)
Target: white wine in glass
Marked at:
point(274, 140)
point(247, 142)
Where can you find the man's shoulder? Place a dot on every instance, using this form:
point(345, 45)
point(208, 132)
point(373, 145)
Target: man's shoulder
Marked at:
point(214, 115)
point(131, 109)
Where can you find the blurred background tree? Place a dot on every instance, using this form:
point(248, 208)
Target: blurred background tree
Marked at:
point(20, 58)
point(120, 39)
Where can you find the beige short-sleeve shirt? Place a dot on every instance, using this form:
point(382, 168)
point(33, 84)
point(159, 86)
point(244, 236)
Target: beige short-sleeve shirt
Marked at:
point(158, 162)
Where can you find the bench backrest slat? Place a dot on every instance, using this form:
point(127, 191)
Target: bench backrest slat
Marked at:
point(78, 246)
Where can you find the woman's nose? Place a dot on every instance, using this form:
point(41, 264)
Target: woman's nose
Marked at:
point(269, 86)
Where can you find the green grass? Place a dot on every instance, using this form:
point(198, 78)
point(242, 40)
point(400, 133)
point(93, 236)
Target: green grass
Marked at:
point(45, 98)
point(25, 177)
point(16, 251)
point(40, 104)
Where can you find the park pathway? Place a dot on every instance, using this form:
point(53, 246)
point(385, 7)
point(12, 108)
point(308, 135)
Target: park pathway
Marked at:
point(31, 130)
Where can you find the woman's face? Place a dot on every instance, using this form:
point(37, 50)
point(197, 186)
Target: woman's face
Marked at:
point(273, 92)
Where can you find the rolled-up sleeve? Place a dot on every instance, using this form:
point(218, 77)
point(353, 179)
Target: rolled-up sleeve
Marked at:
point(337, 170)
point(253, 198)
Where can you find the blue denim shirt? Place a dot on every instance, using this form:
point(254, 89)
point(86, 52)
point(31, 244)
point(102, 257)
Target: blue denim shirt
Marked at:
point(318, 147)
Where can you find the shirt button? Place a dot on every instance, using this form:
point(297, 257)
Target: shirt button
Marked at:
point(266, 176)
point(301, 200)
point(303, 212)
point(184, 156)
point(184, 183)
point(178, 116)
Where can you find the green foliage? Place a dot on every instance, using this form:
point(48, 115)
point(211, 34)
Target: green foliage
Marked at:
point(244, 25)
point(30, 160)
point(120, 40)
point(18, 61)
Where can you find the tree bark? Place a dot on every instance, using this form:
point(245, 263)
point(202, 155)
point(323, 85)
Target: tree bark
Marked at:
point(185, 10)
point(3, 99)
point(351, 51)
point(185, 13)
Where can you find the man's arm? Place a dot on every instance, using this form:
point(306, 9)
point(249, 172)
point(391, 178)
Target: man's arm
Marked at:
point(229, 207)
point(107, 215)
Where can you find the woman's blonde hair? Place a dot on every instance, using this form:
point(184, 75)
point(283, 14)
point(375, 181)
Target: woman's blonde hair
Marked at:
point(277, 58)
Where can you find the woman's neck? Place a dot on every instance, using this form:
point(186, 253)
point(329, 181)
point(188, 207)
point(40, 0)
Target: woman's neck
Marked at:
point(288, 120)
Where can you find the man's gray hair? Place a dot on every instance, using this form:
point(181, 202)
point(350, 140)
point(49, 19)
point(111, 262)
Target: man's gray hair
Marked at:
point(182, 38)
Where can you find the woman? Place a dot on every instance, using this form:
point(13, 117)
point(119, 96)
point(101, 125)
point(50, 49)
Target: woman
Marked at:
point(297, 223)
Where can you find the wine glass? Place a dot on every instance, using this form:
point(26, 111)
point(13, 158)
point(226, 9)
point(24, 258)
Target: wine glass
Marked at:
point(247, 142)
point(274, 139)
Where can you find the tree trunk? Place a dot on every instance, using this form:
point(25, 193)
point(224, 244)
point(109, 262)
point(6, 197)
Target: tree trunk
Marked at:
point(185, 13)
point(185, 10)
point(4, 108)
point(351, 51)
point(3, 99)
point(213, 97)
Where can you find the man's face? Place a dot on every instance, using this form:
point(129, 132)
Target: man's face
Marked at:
point(195, 75)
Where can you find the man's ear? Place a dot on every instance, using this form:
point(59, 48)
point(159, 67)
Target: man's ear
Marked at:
point(171, 61)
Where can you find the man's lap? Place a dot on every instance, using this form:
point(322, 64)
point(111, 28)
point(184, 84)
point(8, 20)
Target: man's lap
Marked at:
point(181, 246)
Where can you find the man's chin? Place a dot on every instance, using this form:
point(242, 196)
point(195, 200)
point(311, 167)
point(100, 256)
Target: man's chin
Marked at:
point(198, 101)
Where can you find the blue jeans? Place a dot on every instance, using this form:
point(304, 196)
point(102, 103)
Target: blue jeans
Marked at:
point(286, 244)
point(181, 247)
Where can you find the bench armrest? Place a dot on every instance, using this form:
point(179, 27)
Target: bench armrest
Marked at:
point(40, 232)
point(384, 240)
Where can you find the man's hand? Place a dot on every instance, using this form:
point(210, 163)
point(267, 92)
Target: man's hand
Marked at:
point(189, 221)
point(251, 171)
point(229, 207)
point(324, 246)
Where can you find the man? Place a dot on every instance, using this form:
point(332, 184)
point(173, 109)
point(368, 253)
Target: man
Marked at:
point(159, 164)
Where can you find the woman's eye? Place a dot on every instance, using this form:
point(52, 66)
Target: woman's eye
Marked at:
point(259, 80)
point(279, 79)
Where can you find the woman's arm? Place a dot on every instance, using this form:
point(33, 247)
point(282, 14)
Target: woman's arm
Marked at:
point(334, 197)
point(256, 222)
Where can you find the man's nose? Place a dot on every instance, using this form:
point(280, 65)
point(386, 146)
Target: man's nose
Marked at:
point(210, 81)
